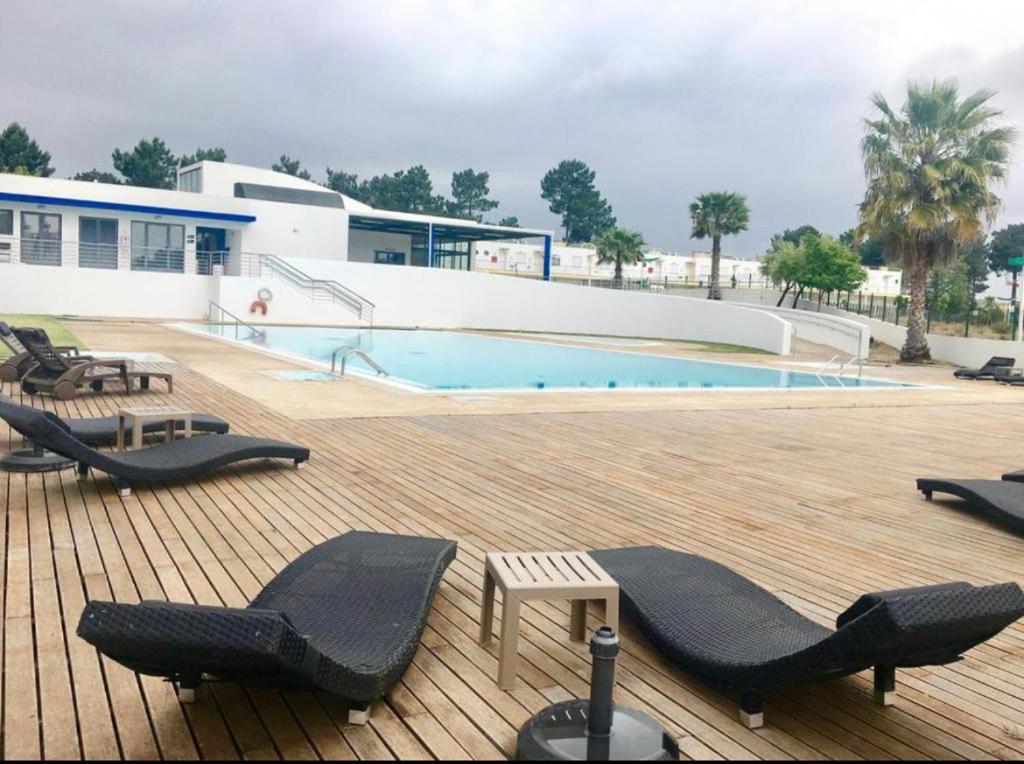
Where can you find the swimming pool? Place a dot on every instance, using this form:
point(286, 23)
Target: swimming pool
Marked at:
point(438, 360)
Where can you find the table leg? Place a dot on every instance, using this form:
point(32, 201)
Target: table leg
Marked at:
point(611, 611)
point(578, 621)
point(169, 427)
point(188, 426)
point(120, 432)
point(137, 427)
point(487, 610)
point(509, 642)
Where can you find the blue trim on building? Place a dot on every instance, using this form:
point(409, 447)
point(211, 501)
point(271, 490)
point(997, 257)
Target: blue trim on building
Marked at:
point(430, 245)
point(547, 258)
point(119, 206)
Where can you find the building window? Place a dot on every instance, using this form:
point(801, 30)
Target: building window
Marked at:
point(158, 247)
point(40, 238)
point(556, 259)
point(97, 243)
point(191, 181)
point(387, 257)
point(6, 229)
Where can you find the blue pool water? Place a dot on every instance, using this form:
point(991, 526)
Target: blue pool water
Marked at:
point(460, 361)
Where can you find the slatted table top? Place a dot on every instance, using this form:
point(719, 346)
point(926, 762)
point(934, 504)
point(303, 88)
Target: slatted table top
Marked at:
point(148, 412)
point(567, 571)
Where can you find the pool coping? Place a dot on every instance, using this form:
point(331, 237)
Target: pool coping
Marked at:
point(402, 384)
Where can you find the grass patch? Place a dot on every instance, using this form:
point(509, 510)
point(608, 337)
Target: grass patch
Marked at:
point(59, 333)
point(721, 347)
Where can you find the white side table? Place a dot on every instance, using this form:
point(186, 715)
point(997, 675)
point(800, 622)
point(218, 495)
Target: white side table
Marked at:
point(137, 417)
point(525, 576)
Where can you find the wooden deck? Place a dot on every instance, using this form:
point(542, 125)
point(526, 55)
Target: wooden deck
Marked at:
point(816, 504)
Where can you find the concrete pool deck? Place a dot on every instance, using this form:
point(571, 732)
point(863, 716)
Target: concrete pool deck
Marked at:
point(255, 375)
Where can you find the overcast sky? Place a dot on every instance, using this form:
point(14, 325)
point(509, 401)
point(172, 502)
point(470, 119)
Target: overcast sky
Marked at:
point(663, 100)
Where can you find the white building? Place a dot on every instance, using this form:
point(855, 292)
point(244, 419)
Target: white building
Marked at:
point(222, 215)
point(580, 263)
point(883, 281)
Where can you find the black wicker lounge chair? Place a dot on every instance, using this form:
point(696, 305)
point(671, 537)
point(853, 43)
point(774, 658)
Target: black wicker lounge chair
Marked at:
point(1008, 375)
point(1001, 500)
point(18, 364)
point(735, 636)
point(345, 617)
point(988, 371)
point(102, 431)
point(178, 460)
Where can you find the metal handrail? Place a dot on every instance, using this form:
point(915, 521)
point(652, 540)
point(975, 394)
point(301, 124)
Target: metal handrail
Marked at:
point(257, 334)
point(854, 359)
point(825, 365)
point(302, 280)
point(349, 350)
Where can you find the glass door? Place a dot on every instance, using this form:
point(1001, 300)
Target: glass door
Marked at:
point(40, 238)
point(97, 243)
point(211, 249)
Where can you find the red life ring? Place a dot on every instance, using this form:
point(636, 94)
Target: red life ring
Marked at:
point(258, 305)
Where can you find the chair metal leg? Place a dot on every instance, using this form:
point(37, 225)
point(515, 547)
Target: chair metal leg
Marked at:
point(885, 685)
point(752, 710)
point(359, 713)
point(187, 690)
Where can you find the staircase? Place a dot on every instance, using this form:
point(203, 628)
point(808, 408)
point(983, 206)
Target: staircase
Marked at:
point(321, 290)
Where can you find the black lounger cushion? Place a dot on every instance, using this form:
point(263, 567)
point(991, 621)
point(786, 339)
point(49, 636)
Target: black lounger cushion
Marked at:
point(100, 431)
point(988, 370)
point(1001, 500)
point(732, 634)
point(177, 460)
point(345, 617)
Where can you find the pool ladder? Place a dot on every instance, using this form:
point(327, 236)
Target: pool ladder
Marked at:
point(346, 351)
point(843, 367)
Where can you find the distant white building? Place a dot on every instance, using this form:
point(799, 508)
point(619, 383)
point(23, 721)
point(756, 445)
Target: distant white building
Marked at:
point(883, 281)
point(580, 263)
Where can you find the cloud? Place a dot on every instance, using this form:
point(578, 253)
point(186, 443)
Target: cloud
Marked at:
point(663, 99)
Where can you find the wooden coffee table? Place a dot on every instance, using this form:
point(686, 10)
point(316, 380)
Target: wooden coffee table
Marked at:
point(524, 576)
point(137, 417)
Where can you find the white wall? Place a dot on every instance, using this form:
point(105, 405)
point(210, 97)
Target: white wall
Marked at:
point(298, 229)
point(843, 334)
point(435, 298)
point(962, 351)
point(404, 296)
point(96, 293)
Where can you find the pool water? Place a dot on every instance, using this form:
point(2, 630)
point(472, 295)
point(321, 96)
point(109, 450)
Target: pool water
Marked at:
point(438, 360)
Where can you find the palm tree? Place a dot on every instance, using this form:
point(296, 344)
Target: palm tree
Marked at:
point(930, 169)
point(717, 214)
point(619, 246)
